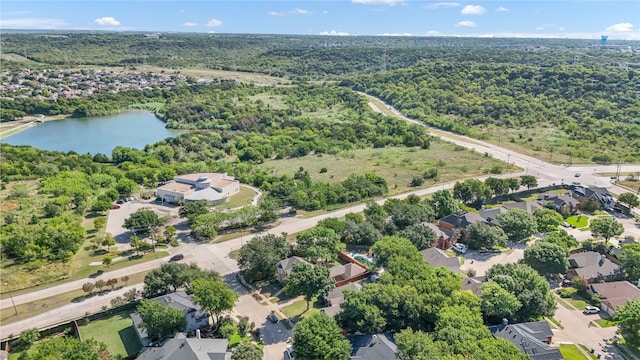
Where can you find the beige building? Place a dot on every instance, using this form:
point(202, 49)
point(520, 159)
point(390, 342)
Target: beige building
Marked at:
point(215, 188)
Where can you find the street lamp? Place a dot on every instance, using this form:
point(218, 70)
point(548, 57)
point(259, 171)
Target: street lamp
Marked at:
point(11, 296)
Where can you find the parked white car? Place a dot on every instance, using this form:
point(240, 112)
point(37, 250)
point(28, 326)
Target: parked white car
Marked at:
point(461, 248)
point(590, 310)
point(290, 352)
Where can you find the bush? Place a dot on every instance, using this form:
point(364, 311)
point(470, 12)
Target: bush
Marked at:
point(323, 170)
point(566, 293)
point(417, 181)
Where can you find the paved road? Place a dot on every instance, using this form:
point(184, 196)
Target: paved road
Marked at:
point(214, 255)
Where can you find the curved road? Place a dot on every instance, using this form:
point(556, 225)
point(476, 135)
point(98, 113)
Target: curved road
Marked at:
point(215, 256)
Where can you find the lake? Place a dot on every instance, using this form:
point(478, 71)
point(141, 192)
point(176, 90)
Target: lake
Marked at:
point(95, 135)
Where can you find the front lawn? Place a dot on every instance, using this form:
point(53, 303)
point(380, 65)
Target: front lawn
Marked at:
point(579, 221)
point(299, 308)
point(605, 322)
point(571, 352)
point(116, 331)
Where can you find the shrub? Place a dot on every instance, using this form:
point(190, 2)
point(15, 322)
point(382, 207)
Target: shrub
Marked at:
point(323, 170)
point(566, 293)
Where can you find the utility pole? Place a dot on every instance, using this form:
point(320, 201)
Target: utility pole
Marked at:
point(15, 309)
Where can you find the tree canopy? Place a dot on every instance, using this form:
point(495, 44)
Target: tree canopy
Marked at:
point(481, 235)
point(318, 337)
point(518, 224)
point(308, 280)
point(606, 226)
point(214, 296)
point(160, 320)
point(258, 257)
point(547, 258)
point(65, 347)
point(628, 319)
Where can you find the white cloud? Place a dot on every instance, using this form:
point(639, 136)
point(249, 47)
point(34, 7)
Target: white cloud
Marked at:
point(106, 21)
point(433, 33)
point(334, 33)
point(472, 10)
point(214, 23)
point(561, 28)
point(396, 34)
point(378, 2)
point(439, 5)
point(275, 13)
point(325, 12)
point(621, 27)
point(502, 8)
point(39, 23)
point(189, 23)
point(301, 11)
point(466, 23)
point(539, 27)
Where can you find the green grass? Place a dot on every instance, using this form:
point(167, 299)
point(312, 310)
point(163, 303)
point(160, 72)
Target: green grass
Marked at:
point(397, 165)
point(588, 351)
point(578, 302)
point(116, 332)
point(605, 322)
point(571, 352)
point(564, 304)
point(299, 308)
point(37, 307)
point(555, 323)
point(579, 221)
point(242, 198)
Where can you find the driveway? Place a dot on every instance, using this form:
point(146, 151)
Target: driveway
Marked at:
point(482, 262)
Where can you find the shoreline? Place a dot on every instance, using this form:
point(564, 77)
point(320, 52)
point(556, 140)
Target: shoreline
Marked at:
point(26, 123)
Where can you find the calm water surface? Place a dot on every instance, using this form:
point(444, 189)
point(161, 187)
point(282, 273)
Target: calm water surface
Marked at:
point(95, 135)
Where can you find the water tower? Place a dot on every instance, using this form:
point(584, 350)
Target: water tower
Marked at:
point(603, 40)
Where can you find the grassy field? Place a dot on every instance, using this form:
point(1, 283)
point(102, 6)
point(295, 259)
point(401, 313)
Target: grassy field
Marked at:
point(579, 221)
point(242, 198)
point(397, 165)
point(37, 307)
point(571, 352)
point(116, 332)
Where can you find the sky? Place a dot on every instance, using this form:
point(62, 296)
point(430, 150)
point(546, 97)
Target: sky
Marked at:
point(585, 19)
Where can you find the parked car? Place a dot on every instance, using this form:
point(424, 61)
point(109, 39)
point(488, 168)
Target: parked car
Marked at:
point(566, 224)
point(130, 198)
point(120, 201)
point(290, 352)
point(115, 207)
point(176, 257)
point(577, 175)
point(591, 310)
point(461, 248)
point(273, 318)
point(566, 282)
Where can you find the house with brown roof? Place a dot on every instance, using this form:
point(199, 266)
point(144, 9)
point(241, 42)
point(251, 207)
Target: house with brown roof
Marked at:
point(593, 267)
point(473, 284)
point(336, 297)
point(615, 294)
point(437, 258)
point(285, 266)
point(344, 274)
point(460, 222)
point(444, 237)
point(566, 202)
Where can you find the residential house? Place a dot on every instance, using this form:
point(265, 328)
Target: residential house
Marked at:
point(195, 316)
point(564, 203)
point(473, 284)
point(444, 237)
point(528, 206)
point(460, 222)
point(285, 266)
point(336, 297)
point(531, 338)
point(594, 193)
point(615, 294)
point(344, 274)
point(437, 258)
point(183, 348)
point(373, 346)
point(593, 267)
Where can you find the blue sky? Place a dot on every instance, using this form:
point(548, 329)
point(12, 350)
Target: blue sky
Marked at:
point(507, 18)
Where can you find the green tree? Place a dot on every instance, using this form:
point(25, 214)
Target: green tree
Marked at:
point(421, 236)
point(214, 296)
point(482, 235)
point(126, 186)
point(259, 257)
point(497, 186)
point(547, 219)
point(561, 238)
point(65, 347)
point(471, 192)
point(106, 261)
point(606, 226)
point(134, 241)
point(393, 247)
point(27, 338)
point(513, 183)
point(318, 337)
point(160, 320)
point(142, 219)
point(101, 205)
point(319, 244)
point(518, 224)
point(88, 287)
point(497, 303)
point(169, 233)
point(629, 198)
point(100, 222)
point(529, 181)
point(363, 233)
point(531, 289)
point(628, 319)
point(359, 315)
point(173, 276)
point(246, 350)
point(546, 258)
point(192, 209)
point(590, 205)
point(630, 257)
point(443, 203)
point(308, 280)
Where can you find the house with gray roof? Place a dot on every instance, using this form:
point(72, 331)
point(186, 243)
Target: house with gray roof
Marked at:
point(531, 338)
point(593, 267)
point(444, 237)
point(373, 346)
point(437, 258)
point(285, 266)
point(460, 222)
point(183, 348)
point(195, 316)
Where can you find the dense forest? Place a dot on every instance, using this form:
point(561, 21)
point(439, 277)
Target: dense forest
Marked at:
point(299, 57)
point(593, 108)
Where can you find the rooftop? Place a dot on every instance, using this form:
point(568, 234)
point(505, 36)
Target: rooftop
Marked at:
point(437, 258)
point(616, 293)
point(373, 346)
point(529, 338)
point(184, 348)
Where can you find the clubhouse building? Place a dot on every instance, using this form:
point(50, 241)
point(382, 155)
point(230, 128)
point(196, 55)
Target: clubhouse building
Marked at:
point(215, 188)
